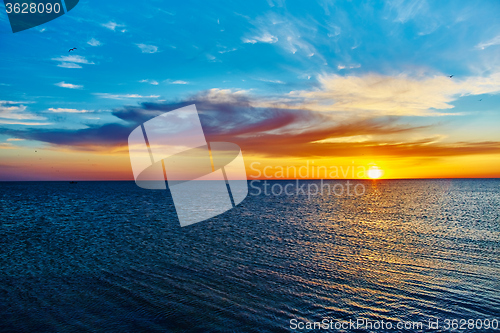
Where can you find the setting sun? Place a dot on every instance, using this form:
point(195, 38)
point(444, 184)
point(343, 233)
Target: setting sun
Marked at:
point(374, 172)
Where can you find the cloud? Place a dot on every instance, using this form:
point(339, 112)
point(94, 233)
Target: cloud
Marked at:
point(266, 37)
point(69, 65)
point(491, 42)
point(68, 85)
point(72, 61)
point(91, 138)
point(11, 112)
point(418, 148)
point(271, 81)
point(124, 96)
point(265, 126)
point(407, 10)
point(176, 82)
point(94, 42)
point(211, 58)
point(246, 40)
point(226, 50)
point(153, 82)
point(226, 115)
point(61, 110)
point(113, 25)
point(374, 148)
point(379, 95)
point(230, 116)
point(74, 58)
point(341, 67)
point(25, 123)
point(295, 36)
point(147, 48)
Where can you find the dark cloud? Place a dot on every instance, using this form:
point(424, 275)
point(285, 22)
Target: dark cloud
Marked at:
point(229, 119)
point(421, 148)
point(262, 130)
point(93, 137)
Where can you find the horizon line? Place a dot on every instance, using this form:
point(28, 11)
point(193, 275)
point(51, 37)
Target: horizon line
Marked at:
point(260, 179)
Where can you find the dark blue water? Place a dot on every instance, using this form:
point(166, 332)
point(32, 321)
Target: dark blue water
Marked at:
point(111, 257)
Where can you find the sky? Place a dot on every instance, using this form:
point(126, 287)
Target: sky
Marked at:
point(293, 83)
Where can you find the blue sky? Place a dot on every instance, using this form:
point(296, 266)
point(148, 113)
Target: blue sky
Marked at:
point(323, 57)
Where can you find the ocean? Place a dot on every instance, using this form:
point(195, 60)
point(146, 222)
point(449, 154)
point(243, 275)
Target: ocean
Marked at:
point(111, 257)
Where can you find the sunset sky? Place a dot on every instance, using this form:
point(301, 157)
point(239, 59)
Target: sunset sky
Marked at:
point(340, 83)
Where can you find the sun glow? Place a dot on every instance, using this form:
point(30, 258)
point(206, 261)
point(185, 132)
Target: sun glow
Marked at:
point(374, 172)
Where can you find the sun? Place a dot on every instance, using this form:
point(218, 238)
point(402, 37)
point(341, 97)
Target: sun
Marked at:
point(374, 172)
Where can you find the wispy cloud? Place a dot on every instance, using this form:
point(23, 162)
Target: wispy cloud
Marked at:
point(266, 37)
point(69, 65)
point(491, 42)
point(9, 122)
point(62, 110)
point(145, 48)
point(15, 113)
point(176, 82)
point(94, 42)
point(341, 67)
point(212, 58)
point(407, 10)
point(74, 58)
point(153, 82)
point(124, 96)
point(272, 81)
point(72, 61)
point(227, 50)
point(68, 85)
point(294, 35)
point(113, 25)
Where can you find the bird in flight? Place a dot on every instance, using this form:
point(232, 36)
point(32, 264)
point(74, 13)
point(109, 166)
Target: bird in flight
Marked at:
point(450, 76)
point(72, 49)
point(480, 99)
